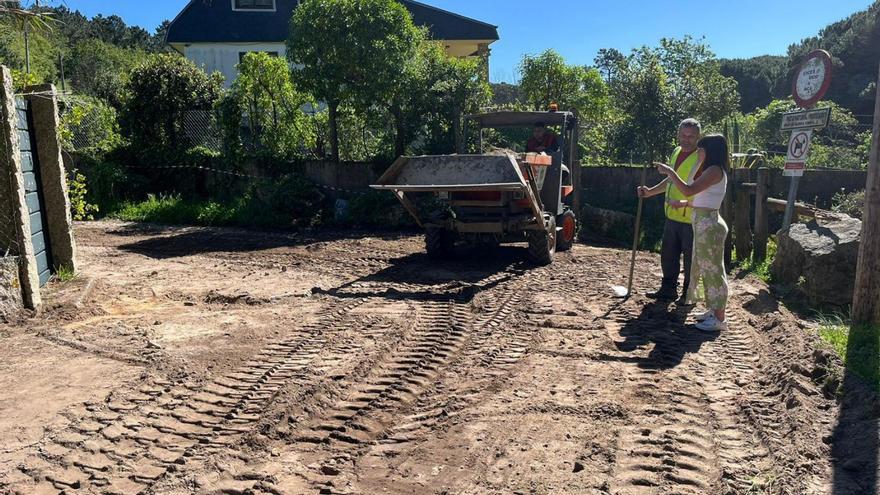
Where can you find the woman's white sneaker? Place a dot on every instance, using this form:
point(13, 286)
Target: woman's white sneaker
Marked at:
point(712, 324)
point(705, 316)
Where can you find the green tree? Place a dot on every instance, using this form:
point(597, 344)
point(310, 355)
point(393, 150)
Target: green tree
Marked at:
point(757, 79)
point(842, 128)
point(608, 61)
point(273, 105)
point(90, 125)
point(855, 45)
point(434, 95)
point(350, 51)
point(647, 106)
point(694, 76)
point(547, 79)
point(99, 69)
point(157, 96)
point(31, 42)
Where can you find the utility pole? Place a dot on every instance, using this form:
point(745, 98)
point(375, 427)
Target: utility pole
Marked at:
point(866, 298)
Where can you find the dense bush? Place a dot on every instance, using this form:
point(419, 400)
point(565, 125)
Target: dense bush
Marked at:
point(157, 96)
point(89, 125)
point(291, 202)
point(271, 106)
point(852, 203)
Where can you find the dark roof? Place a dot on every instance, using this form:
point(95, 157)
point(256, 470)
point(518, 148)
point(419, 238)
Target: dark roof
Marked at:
point(214, 21)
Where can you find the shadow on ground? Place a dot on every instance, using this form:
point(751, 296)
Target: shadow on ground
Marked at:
point(418, 276)
point(175, 242)
point(662, 325)
point(854, 446)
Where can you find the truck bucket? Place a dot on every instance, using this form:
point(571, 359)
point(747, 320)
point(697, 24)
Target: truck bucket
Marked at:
point(456, 173)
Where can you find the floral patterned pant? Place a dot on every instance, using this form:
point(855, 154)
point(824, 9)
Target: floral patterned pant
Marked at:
point(710, 233)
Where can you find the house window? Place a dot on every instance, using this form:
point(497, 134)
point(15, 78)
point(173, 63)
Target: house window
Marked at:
point(242, 54)
point(253, 4)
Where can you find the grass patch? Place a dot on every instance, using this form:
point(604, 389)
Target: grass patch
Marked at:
point(246, 211)
point(64, 273)
point(858, 347)
point(760, 269)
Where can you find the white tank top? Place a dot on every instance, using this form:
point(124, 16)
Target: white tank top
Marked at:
point(713, 197)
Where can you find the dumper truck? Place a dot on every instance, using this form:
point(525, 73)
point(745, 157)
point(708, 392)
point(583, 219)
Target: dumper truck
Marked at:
point(496, 197)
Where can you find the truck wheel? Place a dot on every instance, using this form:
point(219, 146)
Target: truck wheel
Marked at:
point(439, 243)
point(542, 244)
point(565, 237)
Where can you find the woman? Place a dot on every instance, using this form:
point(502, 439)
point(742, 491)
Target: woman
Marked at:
point(710, 231)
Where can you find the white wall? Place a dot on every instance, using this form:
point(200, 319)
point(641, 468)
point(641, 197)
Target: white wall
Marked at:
point(223, 57)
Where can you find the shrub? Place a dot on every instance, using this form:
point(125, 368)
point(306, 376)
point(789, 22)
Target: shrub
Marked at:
point(157, 96)
point(852, 203)
point(272, 107)
point(80, 208)
point(89, 125)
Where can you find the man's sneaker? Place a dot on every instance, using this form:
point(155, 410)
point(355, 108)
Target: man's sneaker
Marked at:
point(712, 324)
point(683, 302)
point(664, 294)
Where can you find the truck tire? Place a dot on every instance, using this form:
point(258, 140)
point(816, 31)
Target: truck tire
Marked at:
point(542, 244)
point(439, 243)
point(565, 237)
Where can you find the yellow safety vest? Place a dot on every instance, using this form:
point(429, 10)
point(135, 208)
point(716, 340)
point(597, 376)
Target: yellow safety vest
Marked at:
point(686, 172)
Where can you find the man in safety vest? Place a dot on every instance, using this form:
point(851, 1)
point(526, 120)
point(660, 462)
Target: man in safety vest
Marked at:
point(678, 234)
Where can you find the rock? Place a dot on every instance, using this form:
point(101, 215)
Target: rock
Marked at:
point(329, 470)
point(820, 259)
point(578, 467)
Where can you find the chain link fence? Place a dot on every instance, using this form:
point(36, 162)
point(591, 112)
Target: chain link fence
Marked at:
point(201, 129)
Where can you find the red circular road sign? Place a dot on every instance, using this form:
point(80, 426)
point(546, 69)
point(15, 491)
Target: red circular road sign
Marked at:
point(812, 79)
point(797, 148)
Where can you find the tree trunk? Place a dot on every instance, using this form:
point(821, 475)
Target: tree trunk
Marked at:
point(866, 297)
point(333, 107)
point(399, 144)
point(456, 129)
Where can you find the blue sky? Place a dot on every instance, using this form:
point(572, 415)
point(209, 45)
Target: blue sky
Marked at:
point(579, 28)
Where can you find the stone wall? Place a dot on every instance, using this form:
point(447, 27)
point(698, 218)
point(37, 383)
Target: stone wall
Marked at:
point(10, 287)
point(614, 187)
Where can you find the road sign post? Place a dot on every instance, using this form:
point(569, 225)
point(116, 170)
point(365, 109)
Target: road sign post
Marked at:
point(810, 84)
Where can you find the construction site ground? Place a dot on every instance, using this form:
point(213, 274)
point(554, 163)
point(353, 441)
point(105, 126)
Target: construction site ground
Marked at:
point(200, 360)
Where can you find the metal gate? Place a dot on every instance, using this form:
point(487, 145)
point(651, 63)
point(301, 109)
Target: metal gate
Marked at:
point(33, 189)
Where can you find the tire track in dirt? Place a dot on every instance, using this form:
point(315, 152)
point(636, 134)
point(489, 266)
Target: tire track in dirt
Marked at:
point(731, 363)
point(366, 410)
point(362, 415)
point(490, 351)
point(127, 444)
point(669, 447)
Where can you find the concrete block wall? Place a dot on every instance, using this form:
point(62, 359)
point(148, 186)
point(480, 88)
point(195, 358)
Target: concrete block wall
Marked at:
point(59, 220)
point(10, 167)
point(56, 207)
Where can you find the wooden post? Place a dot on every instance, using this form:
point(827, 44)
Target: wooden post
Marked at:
point(575, 165)
point(866, 297)
point(762, 219)
point(743, 223)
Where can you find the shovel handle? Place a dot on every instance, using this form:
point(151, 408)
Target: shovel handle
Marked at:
point(632, 263)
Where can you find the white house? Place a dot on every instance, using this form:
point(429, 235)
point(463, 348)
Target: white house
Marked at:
point(215, 34)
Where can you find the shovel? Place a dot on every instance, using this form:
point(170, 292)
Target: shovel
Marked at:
point(619, 290)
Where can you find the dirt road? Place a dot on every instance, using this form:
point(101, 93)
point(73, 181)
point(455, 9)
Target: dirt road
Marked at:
point(224, 361)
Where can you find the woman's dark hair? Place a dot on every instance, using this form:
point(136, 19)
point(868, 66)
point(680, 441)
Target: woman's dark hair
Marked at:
point(717, 153)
